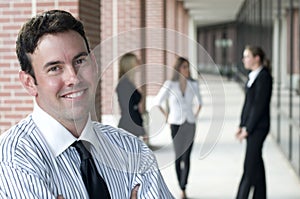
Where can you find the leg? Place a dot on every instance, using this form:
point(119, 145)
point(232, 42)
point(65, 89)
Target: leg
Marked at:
point(185, 167)
point(245, 184)
point(174, 130)
point(260, 182)
point(252, 168)
point(178, 169)
point(189, 133)
point(183, 138)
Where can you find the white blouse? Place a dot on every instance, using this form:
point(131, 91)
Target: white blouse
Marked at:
point(181, 105)
point(252, 76)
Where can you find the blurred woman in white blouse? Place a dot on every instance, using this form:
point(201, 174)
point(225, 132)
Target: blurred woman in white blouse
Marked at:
point(184, 104)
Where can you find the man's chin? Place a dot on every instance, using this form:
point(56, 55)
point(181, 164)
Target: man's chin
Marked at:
point(78, 114)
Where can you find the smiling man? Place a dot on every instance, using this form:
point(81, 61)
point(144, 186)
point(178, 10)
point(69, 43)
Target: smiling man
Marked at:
point(64, 81)
point(58, 151)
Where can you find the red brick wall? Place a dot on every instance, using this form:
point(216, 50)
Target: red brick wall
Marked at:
point(175, 25)
point(155, 56)
point(10, 89)
point(127, 20)
point(15, 103)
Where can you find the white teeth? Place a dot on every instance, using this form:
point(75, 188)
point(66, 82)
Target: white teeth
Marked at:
point(73, 95)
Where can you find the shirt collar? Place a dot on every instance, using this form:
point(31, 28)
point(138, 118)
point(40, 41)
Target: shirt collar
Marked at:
point(56, 135)
point(252, 76)
point(88, 134)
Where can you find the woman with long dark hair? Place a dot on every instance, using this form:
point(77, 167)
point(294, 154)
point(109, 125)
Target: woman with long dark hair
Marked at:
point(129, 97)
point(180, 92)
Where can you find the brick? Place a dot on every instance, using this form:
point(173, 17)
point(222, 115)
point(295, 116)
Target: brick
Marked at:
point(10, 57)
point(13, 116)
point(28, 101)
point(4, 5)
point(12, 12)
point(21, 94)
point(10, 72)
point(68, 4)
point(4, 35)
point(13, 101)
point(4, 126)
point(22, 5)
point(42, 5)
point(24, 109)
point(4, 19)
point(5, 108)
point(5, 94)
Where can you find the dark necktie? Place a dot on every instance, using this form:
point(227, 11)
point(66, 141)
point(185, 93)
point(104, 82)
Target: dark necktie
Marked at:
point(94, 183)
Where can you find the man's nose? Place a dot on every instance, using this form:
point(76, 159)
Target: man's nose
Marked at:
point(71, 75)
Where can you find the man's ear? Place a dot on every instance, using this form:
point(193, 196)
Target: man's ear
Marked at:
point(28, 82)
point(93, 61)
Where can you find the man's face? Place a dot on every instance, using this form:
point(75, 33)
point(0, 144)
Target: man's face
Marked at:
point(66, 78)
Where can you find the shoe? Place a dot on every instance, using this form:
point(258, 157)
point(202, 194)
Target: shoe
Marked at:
point(183, 195)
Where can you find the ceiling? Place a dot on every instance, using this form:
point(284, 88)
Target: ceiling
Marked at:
point(209, 12)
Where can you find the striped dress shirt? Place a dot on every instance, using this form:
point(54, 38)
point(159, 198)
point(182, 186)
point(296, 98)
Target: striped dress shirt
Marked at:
point(38, 161)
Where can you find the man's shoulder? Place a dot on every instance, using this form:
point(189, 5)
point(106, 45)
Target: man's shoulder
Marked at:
point(11, 139)
point(111, 131)
point(18, 131)
point(119, 137)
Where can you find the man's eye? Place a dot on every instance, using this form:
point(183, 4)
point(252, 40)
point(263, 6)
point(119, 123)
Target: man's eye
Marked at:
point(54, 69)
point(80, 61)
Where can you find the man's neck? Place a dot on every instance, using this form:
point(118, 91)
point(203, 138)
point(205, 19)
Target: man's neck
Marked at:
point(77, 127)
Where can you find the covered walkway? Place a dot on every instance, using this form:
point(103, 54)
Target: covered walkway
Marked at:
point(216, 175)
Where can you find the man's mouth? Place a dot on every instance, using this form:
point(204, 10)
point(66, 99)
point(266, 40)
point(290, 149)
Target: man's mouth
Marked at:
point(73, 95)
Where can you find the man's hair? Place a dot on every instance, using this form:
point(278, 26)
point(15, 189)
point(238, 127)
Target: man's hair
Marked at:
point(49, 22)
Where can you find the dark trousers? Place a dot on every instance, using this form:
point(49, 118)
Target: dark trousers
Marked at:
point(254, 170)
point(183, 139)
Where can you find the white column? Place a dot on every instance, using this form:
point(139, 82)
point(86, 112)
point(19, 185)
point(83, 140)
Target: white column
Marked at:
point(115, 38)
point(33, 7)
point(276, 51)
point(192, 48)
point(283, 64)
point(56, 4)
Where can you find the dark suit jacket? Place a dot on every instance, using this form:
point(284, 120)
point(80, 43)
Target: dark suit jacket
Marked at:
point(256, 109)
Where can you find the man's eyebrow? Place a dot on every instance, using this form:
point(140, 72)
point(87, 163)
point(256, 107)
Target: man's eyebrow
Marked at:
point(51, 63)
point(80, 54)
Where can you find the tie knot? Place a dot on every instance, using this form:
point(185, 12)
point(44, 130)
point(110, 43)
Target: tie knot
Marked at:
point(83, 152)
